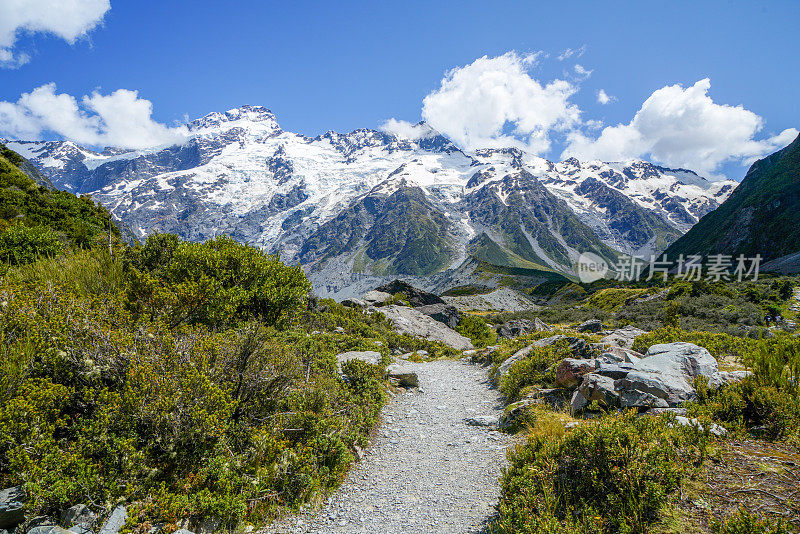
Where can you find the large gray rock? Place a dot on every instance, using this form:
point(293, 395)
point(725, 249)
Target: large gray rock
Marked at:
point(12, 507)
point(415, 296)
point(115, 521)
point(444, 313)
point(623, 337)
point(570, 371)
point(578, 346)
point(597, 388)
point(403, 375)
point(79, 515)
point(49, 529)
point(667, 372)
point(376, 298)
point(725, 378)
point(410, 321)
point(640, 400)
point(592, 325)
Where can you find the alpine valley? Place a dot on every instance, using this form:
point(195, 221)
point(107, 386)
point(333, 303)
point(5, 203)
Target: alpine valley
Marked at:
point(359, 208)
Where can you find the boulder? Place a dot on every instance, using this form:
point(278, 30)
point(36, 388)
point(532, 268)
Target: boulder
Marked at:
point(592, 325)
point(12, 507)
point(570, 371)
point(49, 529)
point(597, 388)
point(579, 348)
point(415, 296)
point(623, 337)
point(667, 372)
point(412, 322)
point(613, 369)
point(376, 298)
point(444, 313)
point(78, 515)
point(402, 375)
point(724, 378)
point(522, 327)
point(115, 521)
point(640, 400)
point(621, 354)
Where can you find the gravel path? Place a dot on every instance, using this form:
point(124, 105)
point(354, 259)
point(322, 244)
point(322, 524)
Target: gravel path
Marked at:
point(427, 470)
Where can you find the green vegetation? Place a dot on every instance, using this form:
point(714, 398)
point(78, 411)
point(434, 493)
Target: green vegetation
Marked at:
point(476, 329)
point(611, 475)
point(77, 221)
point(186, 380)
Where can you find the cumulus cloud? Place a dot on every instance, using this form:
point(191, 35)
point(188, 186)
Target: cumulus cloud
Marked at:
point(67, 19)
point(682, 127)
point(120, 119)
point(494, 102)
point(570, 52)
point(604, 98)
point(581, 72)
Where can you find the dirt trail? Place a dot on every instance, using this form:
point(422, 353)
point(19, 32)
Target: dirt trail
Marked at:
point(428, 470)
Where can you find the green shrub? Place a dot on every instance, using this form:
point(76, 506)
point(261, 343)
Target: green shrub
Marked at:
point(20, 244)
point(610, 475)
point(537, 369)
point(476, 329)
point(746, 522)
point(214, 283)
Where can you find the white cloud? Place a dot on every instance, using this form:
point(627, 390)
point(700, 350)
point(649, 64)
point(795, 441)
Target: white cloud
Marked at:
point(682, 127)
point(494, 102)
point(68, 19)
point(605, 98)
point(581, 72)
point(119, 119)
point(404, 129)
point(569, 52)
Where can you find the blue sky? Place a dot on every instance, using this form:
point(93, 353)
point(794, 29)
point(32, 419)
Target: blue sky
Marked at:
point(344, 65)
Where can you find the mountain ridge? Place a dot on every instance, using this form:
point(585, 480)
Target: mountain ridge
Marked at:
point(240, 174)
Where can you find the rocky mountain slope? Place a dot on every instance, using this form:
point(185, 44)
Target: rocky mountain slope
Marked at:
point(357, 207)
point(762, 216)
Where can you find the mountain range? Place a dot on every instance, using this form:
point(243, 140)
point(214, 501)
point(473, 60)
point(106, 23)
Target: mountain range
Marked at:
point(365, 206)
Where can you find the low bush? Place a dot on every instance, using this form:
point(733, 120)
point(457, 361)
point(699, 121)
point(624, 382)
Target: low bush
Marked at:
point(476, 329)
point(746, 522)
point(613, 474)
point(20, 244)
point(537, 369)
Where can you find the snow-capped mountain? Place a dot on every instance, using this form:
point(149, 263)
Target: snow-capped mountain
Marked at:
point(368, 203)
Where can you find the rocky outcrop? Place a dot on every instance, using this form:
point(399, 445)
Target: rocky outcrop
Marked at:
point(579, 348)
point(12, 507)
point(444, 313)
point(410, 321)
point(415, 296)
point(590, 326)
point(661, 378)
point(402, 376)
point(367, 356)
point(522, 327)
point(570, 371)
point(376, 298)
point(623, 337)
point(115, 521)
